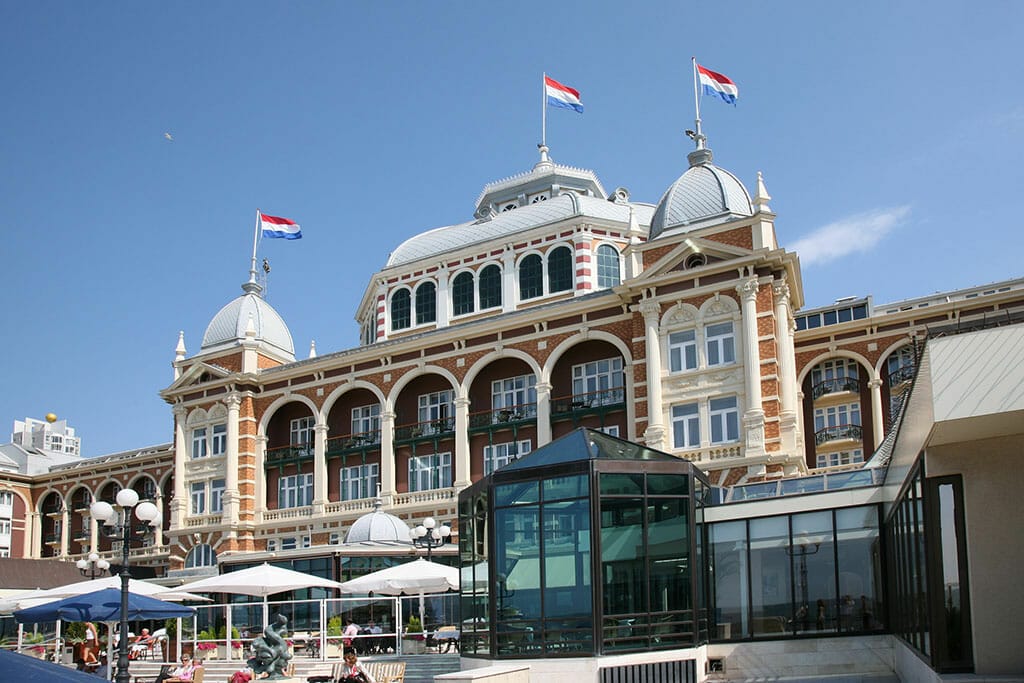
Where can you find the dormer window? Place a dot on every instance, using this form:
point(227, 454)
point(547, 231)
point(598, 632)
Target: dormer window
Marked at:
point(509, 207)
point(539, 197)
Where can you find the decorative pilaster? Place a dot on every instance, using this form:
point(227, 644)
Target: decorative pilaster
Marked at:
point(232, 502)
point(259, 475)
point(179, 503)
point(65, 530)
point(753, 418)
point(444, 312)
point(509, 294)
point(387, 456)
point(158, 529)
point(654, 436)
point(462, 478)
point(34, 536)
point(319, 468)
point(786, 358)
point(543, 413)
point(876, 412)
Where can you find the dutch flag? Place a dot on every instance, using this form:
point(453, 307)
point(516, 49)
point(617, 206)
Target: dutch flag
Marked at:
point(276, 227)
point(562, 95)
point(713, 83)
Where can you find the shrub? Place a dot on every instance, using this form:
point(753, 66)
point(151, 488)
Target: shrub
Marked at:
point(334, 625)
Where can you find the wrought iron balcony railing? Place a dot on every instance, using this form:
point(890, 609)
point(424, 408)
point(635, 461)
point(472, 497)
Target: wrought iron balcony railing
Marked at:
point(901, 375)
point(837, 433)
point(353, 442)
point(834, 386)
point(508, 415)
point(429, 429)
point(588, 401)
point(289, 453)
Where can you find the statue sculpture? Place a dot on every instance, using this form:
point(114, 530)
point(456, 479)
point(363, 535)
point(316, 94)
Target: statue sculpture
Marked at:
point(270, 651)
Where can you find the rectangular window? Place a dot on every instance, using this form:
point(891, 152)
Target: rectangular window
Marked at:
point(219, 443)
point(5, 527)
point(840, 458)
point(430, 472)
point(721, 344)
point(288, 543)
point(610, 430)
point(366, 422)
point(359, 481)
point(271, 545)
point(501, 454)
point(682, 351)
point(217, 495)
point(199, 498)
point(301, 431)
point(686, 426)
point(598, 383)
point(517, 394)
point(837, 416)
point(725, 420)
point(6, 498)
point(437, 409)
point(199, 443)
point(295, 491)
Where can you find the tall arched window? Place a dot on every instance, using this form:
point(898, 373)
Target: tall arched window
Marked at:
point(426, 303)
point(559, 269)
point(607, 266)
point(462, 294)
point(490, 287)
point(401, 308)
point(531, 277)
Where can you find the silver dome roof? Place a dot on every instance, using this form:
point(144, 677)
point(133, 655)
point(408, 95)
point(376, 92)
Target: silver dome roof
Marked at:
point(705, 194)
point(227, 329)
point(378, 527)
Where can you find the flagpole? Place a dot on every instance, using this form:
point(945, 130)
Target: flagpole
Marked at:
point(255, 240)
point(544, 109)
point(699, 138)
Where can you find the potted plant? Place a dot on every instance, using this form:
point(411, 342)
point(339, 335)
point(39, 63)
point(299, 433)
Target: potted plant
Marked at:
point(33, 643)
point(334, 628)
point(74, 635)
point(413, 640)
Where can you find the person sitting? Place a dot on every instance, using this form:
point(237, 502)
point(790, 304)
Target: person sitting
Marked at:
point(181, 673)
point(142, 644)
point(352, 671)
point(246, 674)
point(350, 633)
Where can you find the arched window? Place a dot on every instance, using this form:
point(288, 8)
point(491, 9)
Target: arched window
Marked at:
point(401, 308)
point(531, 277)
point(490, 287)
point(462, 294)
point(560, 269)
point(201, 556)
point(426, 303)
point(607, 266)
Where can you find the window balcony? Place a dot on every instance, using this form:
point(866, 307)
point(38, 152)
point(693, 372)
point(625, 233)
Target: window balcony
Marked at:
point(501, 418)
point(289, 454)
point(838, 433)
point(904, 374)
point(353, 443)
point(80, 535)
point(80, 505)
point(431, 429)
point(51, 539)
point(835, 386)
point(588, 403)
point(53, 509)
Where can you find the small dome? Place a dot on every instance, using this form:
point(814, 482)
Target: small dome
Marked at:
point(228, 327)
point(704, 194)
point(378, 527)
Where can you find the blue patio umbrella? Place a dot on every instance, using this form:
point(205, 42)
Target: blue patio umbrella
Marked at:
point(103, 605)
point(19, 667)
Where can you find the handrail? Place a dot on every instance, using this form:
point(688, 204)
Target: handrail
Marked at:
point(586, 401)
point(834, 385)
point(503, 415)
point(838, 432)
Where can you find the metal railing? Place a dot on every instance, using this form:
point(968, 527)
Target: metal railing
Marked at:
point(588, 401)
point(507, 415)
point(837, 433)
point(834, 386)
point(425, 430)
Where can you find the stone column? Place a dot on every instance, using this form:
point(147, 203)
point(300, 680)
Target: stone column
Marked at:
point(543, 413)
point(158, 529)
point(876, 413)
point(655, 434)
point(509, 294)
point(444, 311)
point(231, 502)
point(753, 418)
point(462, 455)
point(387, 455)
point(319, 468)
point(786, 358)
point(34, 535)
point(65, 530)
point(179, 503)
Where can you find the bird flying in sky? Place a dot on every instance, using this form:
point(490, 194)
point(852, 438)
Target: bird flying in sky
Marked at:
point(169, 136)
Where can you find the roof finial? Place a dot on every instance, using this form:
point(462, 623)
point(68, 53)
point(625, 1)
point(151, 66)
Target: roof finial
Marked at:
point(312, 348)
point(762, 197)
point(545, 160)
point(179, 350)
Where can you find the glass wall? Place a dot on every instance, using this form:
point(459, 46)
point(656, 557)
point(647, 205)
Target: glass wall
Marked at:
point(811, 573)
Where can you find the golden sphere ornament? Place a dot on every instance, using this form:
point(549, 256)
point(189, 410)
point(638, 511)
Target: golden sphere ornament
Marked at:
point(51, 417)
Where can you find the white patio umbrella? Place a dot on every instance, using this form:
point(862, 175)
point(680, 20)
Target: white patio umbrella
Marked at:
point(419, 577)
point(261, 581)
point(137, 586)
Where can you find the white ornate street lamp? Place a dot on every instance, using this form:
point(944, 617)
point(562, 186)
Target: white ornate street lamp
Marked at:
point(428, 535)
point(93, 567)
point(117, 523)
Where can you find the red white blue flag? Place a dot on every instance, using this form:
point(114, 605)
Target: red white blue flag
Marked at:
point(713, 83)
point(562, 95)
point(276, 227)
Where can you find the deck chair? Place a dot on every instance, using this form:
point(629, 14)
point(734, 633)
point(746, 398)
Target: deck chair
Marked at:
point(386, 672)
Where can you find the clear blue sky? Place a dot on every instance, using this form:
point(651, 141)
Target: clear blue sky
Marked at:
point(890, 136)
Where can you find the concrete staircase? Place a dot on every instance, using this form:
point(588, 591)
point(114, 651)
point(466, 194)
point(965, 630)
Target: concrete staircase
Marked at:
point(418, 668)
